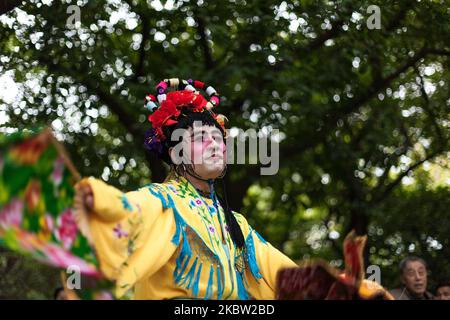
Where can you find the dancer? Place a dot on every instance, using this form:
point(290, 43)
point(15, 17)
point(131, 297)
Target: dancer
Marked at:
point(179, 239)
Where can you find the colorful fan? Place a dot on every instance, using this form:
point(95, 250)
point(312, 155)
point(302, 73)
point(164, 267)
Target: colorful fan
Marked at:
point(36, 193)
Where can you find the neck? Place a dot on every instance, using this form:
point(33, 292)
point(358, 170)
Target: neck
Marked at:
point(415, 295)
point(197, 183)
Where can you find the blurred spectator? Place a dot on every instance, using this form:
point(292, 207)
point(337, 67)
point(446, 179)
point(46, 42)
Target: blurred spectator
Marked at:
point(443, 291)
point(414, 276)
point(60, 294)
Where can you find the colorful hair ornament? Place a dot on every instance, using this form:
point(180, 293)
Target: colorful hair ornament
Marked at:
point(166, 107)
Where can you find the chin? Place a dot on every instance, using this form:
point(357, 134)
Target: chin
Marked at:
point(212, 172)
point(418, 291)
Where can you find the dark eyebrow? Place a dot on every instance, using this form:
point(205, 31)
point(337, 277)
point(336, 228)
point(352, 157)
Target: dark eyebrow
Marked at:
point(197, 133)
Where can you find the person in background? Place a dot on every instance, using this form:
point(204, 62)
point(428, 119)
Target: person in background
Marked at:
point(443, 291)
point(414, 276)
point(59, 294)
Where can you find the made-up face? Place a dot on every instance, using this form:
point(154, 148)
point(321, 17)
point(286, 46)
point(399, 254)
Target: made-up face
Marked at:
point(202, 146)
point(415, 277)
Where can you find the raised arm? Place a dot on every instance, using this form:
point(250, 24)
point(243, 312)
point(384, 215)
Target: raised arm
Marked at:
point(131, 232)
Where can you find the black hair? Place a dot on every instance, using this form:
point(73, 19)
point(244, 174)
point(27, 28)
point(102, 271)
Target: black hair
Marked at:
point(186, 120)
point(443, 284)
point(235, 229)
point(403, 264)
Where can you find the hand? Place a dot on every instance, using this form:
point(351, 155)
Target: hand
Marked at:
point(84, 196)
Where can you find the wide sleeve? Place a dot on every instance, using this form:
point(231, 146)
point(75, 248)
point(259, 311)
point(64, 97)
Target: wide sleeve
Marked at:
point(131, 232)
point(264, 262)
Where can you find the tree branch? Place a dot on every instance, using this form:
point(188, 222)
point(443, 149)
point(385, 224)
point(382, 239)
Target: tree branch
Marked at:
point(201, 29)
point(332, 118)
point(145, 34)
point(388, 163)
point(155, 164)
point(8, 5)
point(427, 107)
point(394, 183)
point(336, 29)
point(398, 18)
point(439, 52)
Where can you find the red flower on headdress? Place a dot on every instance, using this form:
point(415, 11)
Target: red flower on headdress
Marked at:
point(186, 98)
point(170, 109)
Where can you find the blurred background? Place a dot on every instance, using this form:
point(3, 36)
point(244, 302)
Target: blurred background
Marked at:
point(364, 112)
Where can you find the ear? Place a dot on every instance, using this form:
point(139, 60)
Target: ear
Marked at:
point(171, 154)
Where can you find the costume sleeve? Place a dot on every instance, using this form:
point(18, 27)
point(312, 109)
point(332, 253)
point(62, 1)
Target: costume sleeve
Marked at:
point(264, 262)
point(130, 232)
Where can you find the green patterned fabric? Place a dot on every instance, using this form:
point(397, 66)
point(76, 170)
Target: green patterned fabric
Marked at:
point(36, 196)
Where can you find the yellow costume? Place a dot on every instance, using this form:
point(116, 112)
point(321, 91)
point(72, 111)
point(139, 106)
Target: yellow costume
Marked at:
point(164, 241)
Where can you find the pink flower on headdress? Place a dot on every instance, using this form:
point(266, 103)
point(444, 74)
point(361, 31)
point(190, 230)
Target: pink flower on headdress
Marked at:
point(67, 229)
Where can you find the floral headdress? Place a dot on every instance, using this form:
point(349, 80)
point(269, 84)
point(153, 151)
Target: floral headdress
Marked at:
point(166, 107)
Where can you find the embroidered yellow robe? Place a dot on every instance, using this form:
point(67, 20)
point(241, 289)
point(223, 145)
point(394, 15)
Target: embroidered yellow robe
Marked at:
point(164, 241)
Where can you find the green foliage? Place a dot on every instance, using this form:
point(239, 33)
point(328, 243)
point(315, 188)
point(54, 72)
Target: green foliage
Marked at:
point(23, 278)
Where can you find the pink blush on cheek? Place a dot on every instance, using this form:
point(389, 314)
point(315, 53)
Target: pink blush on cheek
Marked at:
point(223, 148)
point(199, 148)
point(197, 151)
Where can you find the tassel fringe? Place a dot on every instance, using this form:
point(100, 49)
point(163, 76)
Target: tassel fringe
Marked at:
point(191, 279)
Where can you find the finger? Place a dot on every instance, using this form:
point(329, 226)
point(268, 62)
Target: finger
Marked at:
point(89, 200)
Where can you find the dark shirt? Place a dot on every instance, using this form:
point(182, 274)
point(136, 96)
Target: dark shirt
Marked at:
point(404, 294)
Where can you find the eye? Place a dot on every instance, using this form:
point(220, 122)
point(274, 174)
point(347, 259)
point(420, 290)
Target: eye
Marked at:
point(197, 137)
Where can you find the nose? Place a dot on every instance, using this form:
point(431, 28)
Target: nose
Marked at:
point(215, 146)
point(211, 141)
point(418, 276)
